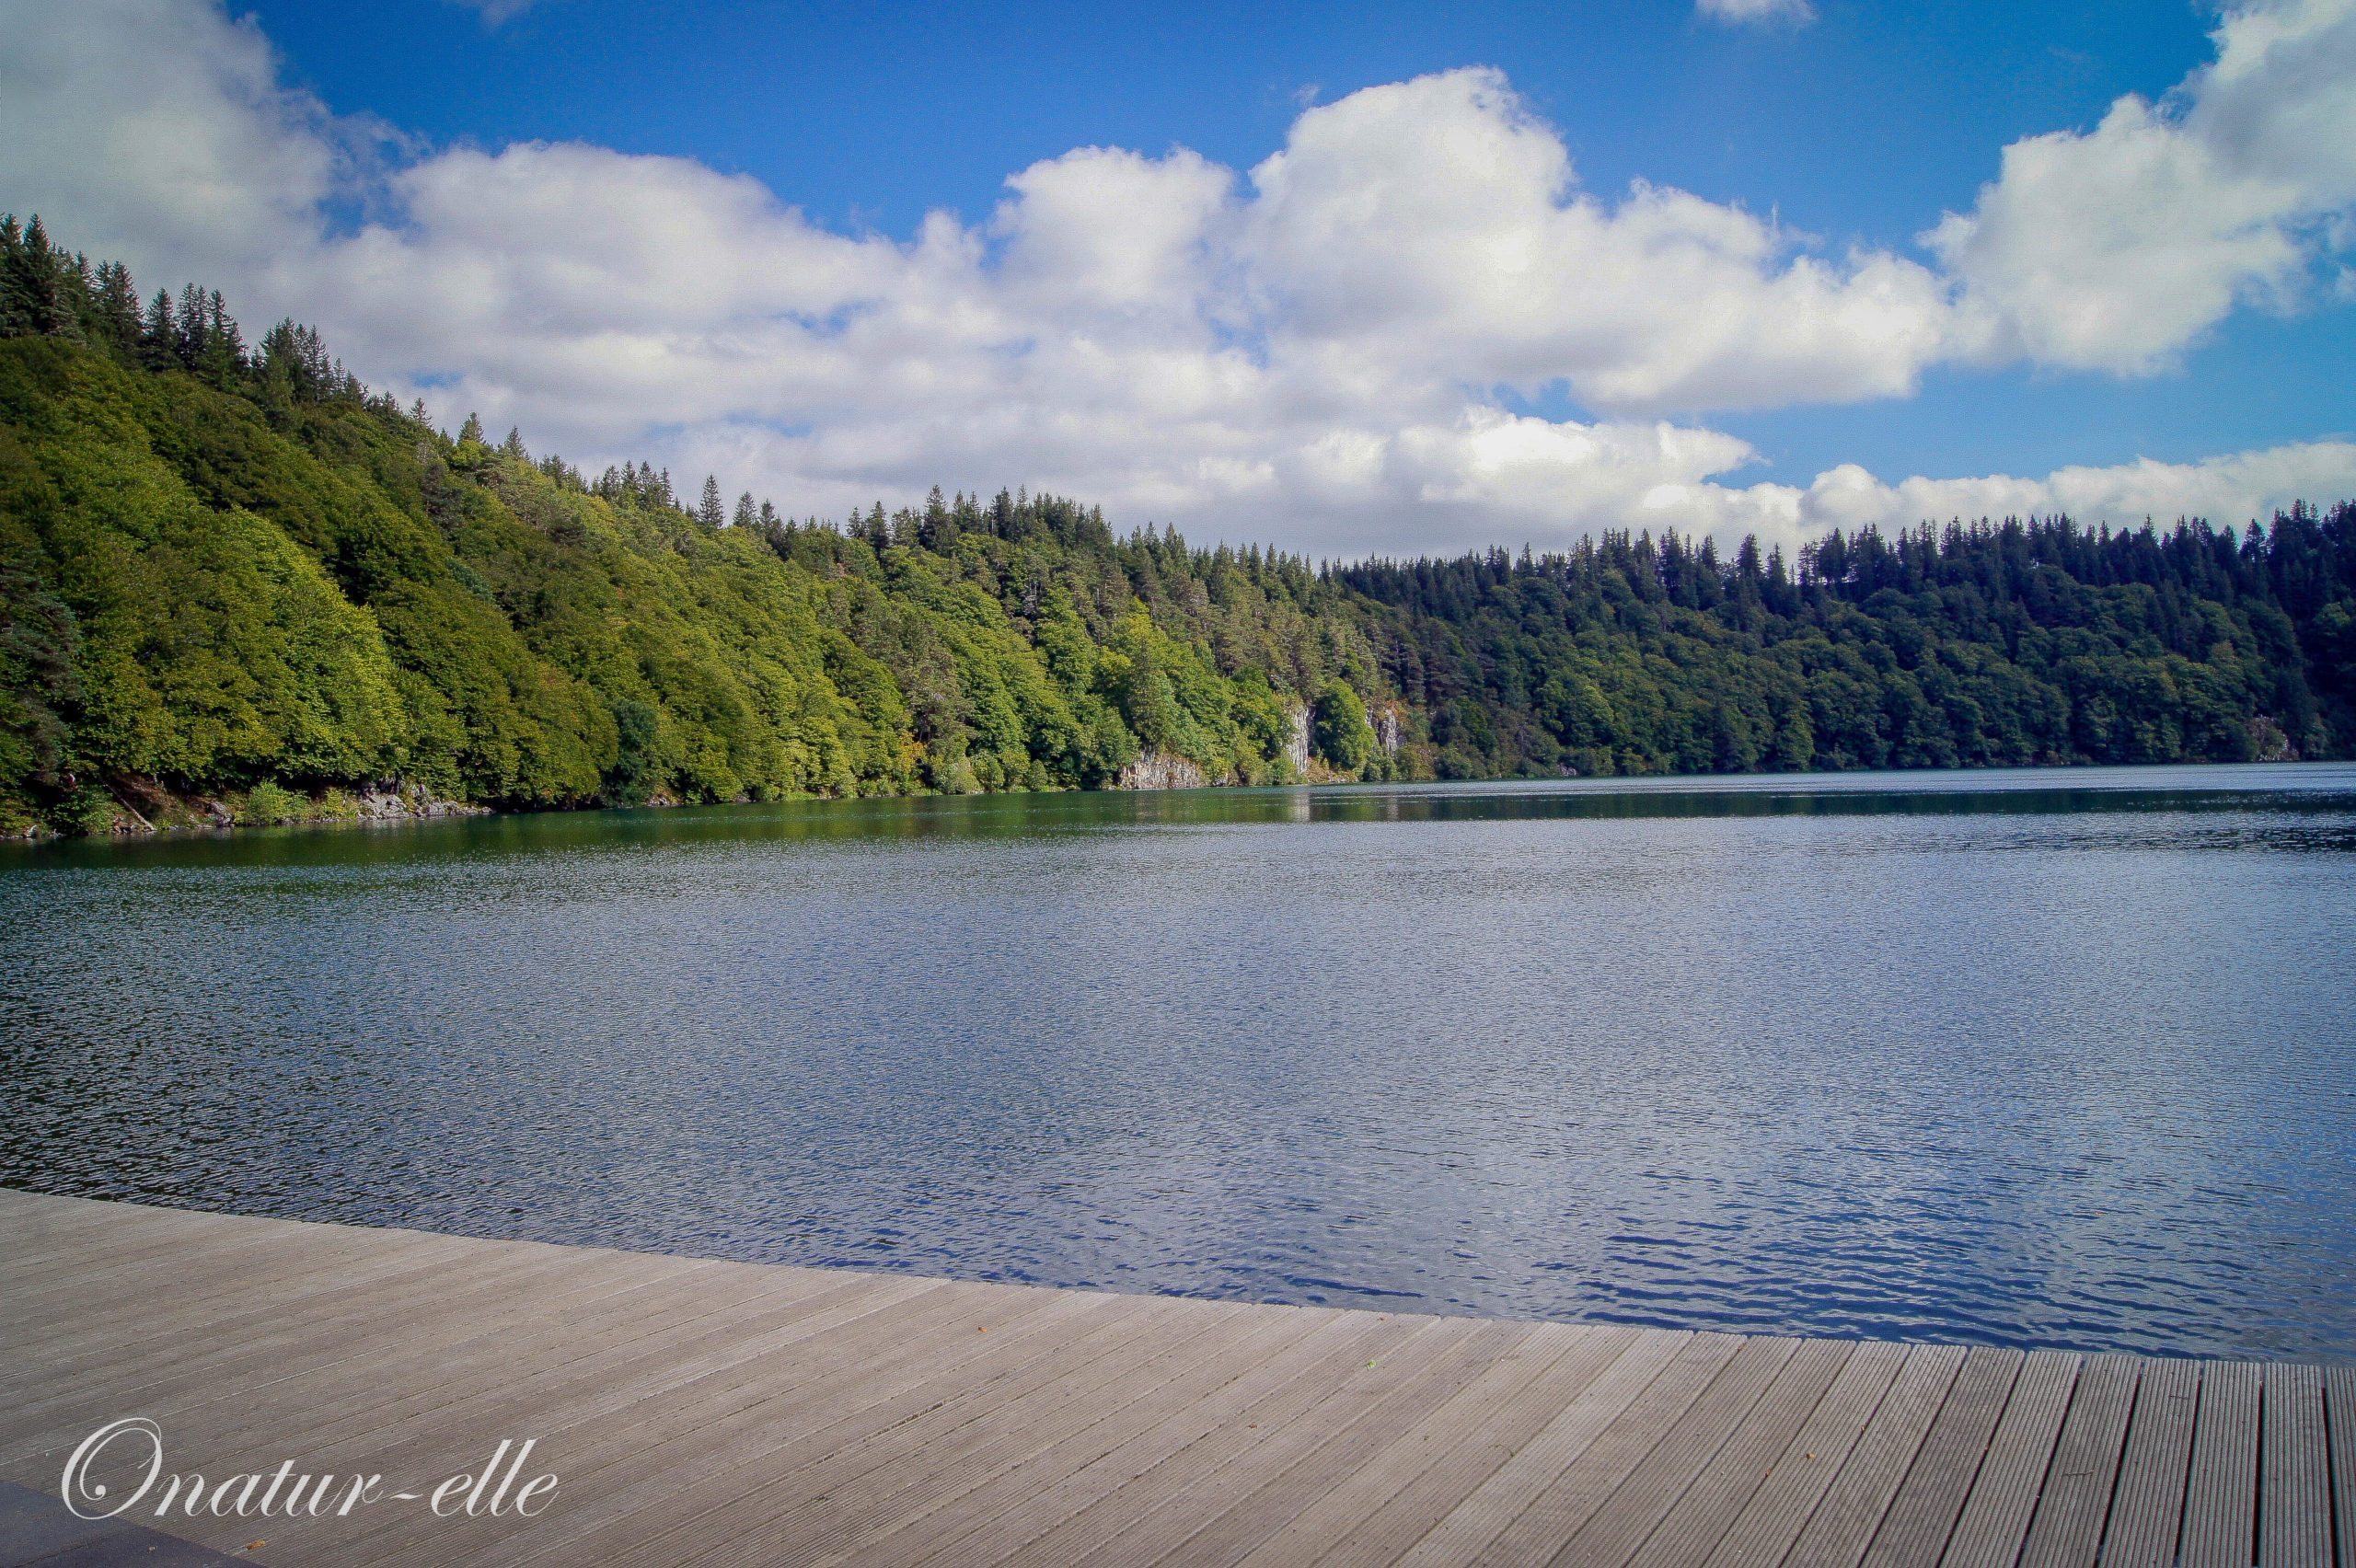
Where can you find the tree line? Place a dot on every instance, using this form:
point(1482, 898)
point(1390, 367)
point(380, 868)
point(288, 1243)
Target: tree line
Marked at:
point(237, 573)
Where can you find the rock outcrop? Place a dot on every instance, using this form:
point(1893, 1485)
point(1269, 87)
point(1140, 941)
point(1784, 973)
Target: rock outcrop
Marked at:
point(1161, 770)
point(1296, 748)
point(392, 799)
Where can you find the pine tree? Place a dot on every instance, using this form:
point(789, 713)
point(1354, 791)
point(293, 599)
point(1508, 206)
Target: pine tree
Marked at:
point(188, 329)
point(116, 309)
point(745, 517)
point(472, 430)
point(224, 361)
point(711, 513)
point(937, 531)
point(16, 305)
point(44, 291)
point(514, 445)
point(155, 339)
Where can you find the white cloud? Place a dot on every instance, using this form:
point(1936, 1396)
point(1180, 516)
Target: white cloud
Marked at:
point(2116, 248)
point(498, 13)
point(1434, 228)
point(2226, 491)
point(1313, 352)
point(1753, 13)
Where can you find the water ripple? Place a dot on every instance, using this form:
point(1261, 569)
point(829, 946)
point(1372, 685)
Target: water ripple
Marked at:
point(2021, 1059)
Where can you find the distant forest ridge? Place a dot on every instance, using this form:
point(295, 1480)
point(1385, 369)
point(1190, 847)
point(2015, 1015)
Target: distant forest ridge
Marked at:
point(236, 584)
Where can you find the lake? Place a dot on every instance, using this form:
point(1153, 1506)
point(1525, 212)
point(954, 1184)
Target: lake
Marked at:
point(2042, 1058)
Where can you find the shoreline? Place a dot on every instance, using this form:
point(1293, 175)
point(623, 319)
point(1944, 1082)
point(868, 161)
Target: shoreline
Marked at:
point(393, 802)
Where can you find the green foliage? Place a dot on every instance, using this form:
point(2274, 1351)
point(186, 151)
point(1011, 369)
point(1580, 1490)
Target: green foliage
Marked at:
point(245, 574)
point(1993, 645)
point(267, 804)
point(1343, 736)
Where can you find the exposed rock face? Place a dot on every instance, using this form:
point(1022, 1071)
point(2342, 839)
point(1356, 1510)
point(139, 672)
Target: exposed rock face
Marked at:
point(2268, 741)
point(1385, 720)
point(1296, 748)
point(1161, 770)
point(391, 800)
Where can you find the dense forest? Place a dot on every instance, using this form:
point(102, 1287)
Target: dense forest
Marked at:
point(235, 583)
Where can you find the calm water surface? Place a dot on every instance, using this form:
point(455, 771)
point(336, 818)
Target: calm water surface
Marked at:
point(2050, 1058)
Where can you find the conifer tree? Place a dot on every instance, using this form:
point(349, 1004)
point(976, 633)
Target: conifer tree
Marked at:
point(711, 511)
point(472, 430)
point(41, 287)
point(223, 360)
point(745, 517)
point(514, 445)
point(116, 308)
point(188, 329)
point(938, 530)
point(155, 339)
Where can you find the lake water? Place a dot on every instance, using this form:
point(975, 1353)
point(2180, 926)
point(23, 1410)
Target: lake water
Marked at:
point(2062, 1058)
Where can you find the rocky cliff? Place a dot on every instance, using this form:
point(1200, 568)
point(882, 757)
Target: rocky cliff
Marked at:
point(1161, 770)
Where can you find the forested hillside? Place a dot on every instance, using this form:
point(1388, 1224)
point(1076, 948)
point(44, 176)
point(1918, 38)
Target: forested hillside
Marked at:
point(236, 578)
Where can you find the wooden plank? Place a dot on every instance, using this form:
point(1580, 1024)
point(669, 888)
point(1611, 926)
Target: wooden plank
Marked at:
point(2221, 1501)
point(2147, 1514)
point(1571, 1499)
point(277, 1337)
point(76, 1234)
point(1816, 1456)
point(92, 1307)
point(764, 1489)
point(1169, 1503)
point(1637, 1506)
point(191, 1241)
point(2066, 1530)
point(1310, 1456)
point(1921, 1518)
point(1001, 1504)
point(1468, 1528)
point(849, 1359)
point(1699, 1519)
point(1160, 1468)
point(568, 1404)
point(591, 1403)
point(1461, 1445)
point(339, 1356)
point(905, 1505)
point(1995, 1516)
point(2339, 1418)
point(1406, 1452)
point(758, 1440)
point(224, 1290)
point(720, 1415)
point(1852, 1509)
point(401, 1393)
point(2295, 1477)
point(43, 1224)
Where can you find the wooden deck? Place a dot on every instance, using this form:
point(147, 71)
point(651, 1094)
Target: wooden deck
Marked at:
point(722, 1414)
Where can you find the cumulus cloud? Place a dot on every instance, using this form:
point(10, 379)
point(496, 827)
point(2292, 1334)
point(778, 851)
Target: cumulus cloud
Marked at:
point(1434, 228)
point(1314, 351)
point(1753, 13)
point(2116, 248)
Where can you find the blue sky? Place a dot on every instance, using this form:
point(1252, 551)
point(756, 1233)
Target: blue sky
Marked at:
point(1866, 124)
point(1852, 127)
